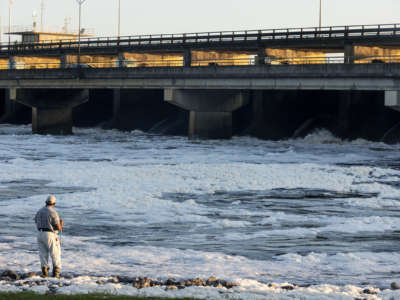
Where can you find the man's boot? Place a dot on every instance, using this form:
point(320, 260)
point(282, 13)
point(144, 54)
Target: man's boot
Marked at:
point(56, 272)
point(45, 272)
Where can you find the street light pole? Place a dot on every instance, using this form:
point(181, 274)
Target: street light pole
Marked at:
point(41, 15)
point(80, 2)
point(320, 14)
point(119, 19)
point(9, 22)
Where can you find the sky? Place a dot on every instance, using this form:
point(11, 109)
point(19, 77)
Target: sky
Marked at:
point(179, 16)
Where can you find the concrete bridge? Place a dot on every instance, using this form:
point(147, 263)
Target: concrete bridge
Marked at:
point(356, 43)
point(219, 73)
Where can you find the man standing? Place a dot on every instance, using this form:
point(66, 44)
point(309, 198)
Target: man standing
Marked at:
point(49, 225)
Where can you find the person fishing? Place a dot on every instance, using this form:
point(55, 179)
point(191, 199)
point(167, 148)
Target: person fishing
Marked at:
point(49, 225)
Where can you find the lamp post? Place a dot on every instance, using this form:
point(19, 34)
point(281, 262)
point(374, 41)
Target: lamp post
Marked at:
point(9, 22)
point(41, 15)
point(80, 2)
point(119, 19)
point(320, 14)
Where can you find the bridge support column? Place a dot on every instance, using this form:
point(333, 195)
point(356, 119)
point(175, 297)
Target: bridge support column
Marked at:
point(63, 62)
point(10, 103)
point(261, 56)
point(121, 60)
point(52, 109)
point(210, 110)
point(345, 100)
point(392, 100)
point(12, 65)
point(116, 107)
point(10, 106)
point(349, 54)
point(257, 122)
point(210, 125)
point(187, 58)
point(56, 121)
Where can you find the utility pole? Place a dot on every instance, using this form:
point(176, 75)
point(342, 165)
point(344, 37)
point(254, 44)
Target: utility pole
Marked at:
point(80, 2)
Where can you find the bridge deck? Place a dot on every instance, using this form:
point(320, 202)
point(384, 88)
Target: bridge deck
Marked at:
point(329, 77)
point(314, 37)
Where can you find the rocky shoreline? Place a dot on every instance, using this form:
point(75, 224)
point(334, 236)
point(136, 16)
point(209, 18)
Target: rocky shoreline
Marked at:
point(25, 279)
point(34, 279)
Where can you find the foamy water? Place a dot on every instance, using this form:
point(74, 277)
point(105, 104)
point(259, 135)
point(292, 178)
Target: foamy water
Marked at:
point(317, 212)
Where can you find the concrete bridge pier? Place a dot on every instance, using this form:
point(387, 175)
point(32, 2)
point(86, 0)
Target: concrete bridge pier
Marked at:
point(10, 106)
point(210, 110)
point(116, 108)
point(349, 54)
point(392, 100)
point(52, 108)
point(344, 113)
point(187, 58)
point(63, 61)
point(261, 57)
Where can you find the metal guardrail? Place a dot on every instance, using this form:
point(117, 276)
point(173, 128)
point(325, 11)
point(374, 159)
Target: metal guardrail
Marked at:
point(381, 30)
point(251, 61)
point(46, 29)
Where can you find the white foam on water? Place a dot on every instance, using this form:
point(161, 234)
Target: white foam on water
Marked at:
point(130, 173)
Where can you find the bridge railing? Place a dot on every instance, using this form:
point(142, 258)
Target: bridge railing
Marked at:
point(251, 61)
point(214, 37)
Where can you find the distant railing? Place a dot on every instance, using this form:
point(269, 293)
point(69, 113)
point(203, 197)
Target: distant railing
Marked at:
point(47, 29)
point(381, 30)
point(251, 61)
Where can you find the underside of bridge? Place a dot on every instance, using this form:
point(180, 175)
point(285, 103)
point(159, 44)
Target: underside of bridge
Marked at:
point(144, 109)
point(346, 114)
point(266, 114)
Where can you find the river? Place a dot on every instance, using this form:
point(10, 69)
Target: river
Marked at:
point(317, 211)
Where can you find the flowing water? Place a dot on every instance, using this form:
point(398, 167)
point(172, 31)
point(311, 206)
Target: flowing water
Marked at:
point(316, 211)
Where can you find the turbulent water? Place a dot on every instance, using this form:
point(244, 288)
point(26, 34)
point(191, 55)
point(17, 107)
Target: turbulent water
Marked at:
point(317, 211)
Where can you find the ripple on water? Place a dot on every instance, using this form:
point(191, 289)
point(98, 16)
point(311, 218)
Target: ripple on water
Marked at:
point(25, 188)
